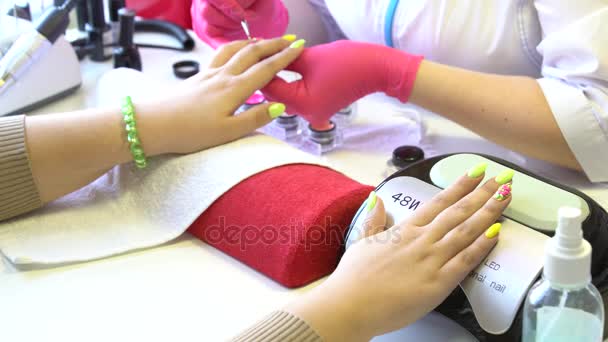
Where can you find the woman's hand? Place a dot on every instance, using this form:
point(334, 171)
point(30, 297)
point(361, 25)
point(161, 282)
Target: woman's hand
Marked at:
point(219, 21)
point(199, 112)
point(194, 115)
point(393, 277)
point(337, 74)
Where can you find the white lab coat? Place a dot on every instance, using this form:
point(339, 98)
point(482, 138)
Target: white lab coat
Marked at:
point(562, 43)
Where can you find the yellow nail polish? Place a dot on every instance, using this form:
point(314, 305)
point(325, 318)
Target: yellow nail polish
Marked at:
point(290, 37)
point(493, 230)
point(505, 176)
point(477, 170)
point(1, 82)
point(371, 201)
point(297, 44)
point(275, 110)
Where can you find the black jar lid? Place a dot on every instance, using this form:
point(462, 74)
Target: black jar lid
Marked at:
point(406, 155)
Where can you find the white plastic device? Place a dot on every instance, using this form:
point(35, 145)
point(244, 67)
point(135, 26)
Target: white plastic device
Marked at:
point(52, 76)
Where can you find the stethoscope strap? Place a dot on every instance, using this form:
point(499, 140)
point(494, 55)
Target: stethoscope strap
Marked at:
point(388, 22)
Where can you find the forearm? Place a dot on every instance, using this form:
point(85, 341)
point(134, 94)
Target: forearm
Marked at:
point(509, 110)
point(70, 150)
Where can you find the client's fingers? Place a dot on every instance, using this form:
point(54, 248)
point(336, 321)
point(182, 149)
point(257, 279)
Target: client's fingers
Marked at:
point(227, 51)
point(253, 53)
point(458, 267)
point(464, 185)
point(468, 231)
point(258, 76)
point(375, 221)
point(252, 119)
point(462, 209)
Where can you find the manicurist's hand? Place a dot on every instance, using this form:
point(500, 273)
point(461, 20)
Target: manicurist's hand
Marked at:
point(395, 276)
point(219, 21)
point(335, 75)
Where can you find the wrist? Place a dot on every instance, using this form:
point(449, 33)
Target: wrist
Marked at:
point(156, 129)
point(398, 71)
point(331, 314)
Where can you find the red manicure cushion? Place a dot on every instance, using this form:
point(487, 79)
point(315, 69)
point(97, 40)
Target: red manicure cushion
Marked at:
point(287, 222)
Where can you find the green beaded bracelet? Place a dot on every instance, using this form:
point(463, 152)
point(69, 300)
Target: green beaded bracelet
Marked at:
point(128, 115)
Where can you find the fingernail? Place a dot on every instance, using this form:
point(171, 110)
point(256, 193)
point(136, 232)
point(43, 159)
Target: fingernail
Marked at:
point(275, 110)
point(503, 192)
point(297, 44)
point(290, 37)
point(493, 230)
point(371, 201)
point(505, 176)
point(477, 170)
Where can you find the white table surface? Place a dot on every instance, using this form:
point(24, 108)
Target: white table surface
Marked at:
point(186, 290)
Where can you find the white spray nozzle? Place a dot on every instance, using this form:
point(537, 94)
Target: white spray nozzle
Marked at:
point(569, 233)
point(567, 254)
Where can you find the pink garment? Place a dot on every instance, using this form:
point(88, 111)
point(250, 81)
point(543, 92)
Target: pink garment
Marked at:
point(337, 74)
point(219, 21)
point(175, 11)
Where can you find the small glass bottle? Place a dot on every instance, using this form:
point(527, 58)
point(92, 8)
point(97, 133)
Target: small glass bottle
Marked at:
point(321, 139)
point(564, 305)
point(402, 157)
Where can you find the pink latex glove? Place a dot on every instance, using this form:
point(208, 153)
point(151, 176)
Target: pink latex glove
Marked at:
point(219, 21)
point(337, 74)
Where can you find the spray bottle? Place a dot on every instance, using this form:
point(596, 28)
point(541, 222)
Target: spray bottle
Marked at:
point(564, 305)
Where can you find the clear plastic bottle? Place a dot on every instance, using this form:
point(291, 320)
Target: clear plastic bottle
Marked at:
point(564, 305)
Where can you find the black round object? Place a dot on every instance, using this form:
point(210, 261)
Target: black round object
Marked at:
point(287, 121)
point(126, 54)
point(185, 69)
point(161, 26)
point(324, 137)
point(406, 155)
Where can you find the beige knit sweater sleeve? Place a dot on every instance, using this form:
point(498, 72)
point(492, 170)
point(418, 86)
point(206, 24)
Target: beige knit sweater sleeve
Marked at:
point(279, 326)
point(18, 192)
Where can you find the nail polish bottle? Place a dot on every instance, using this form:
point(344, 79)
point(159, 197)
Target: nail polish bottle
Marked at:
point(114, 7)
point(287, 127)
point(564, 305)
point(126, 54)
point(321, 139)
point(288, 121)
point(100, 33)
point(402, 157)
